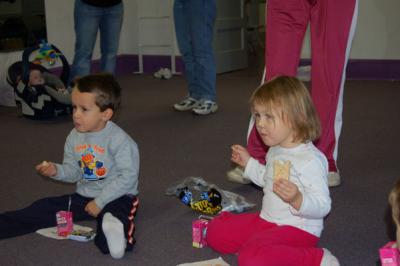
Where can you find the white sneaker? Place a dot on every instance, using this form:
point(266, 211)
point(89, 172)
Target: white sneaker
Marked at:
point(166, 74)
point(206, 107)
point(159, 74)
point(163, 73)
point(186, 104)
point(328, 259)
point(333, 179)
point(236, 175)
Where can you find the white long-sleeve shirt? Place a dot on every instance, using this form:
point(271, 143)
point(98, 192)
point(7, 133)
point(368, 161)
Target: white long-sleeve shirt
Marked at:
point(309, 171)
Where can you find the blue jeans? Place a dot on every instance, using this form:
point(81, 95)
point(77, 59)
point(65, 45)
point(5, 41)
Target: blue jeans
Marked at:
point(194, 23)
point(88, 20)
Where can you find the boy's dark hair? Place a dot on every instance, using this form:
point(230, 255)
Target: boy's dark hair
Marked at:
point(105, 86)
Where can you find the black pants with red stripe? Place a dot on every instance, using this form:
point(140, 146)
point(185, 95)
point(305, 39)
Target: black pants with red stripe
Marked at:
point(42, 214)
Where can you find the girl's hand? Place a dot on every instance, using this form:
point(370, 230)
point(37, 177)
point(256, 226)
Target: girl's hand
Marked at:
point(92, 209)
point(47, 169)
point(240, 155)
point(288, 192)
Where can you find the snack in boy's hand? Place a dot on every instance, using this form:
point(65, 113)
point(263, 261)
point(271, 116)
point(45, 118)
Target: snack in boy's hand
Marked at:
point(45, 163)
point(281, 170)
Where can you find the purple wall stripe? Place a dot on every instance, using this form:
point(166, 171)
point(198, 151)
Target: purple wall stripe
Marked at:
point(356, 68)
point(369, 69)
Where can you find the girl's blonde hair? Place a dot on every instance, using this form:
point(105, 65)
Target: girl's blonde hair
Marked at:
point(291, 97)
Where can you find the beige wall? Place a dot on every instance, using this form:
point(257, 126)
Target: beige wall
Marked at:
point(377, 35)
point(378, 30)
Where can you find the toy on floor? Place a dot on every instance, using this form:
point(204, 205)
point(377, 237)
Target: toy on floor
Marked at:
point(207, 198)
point(209, 201)
point(46, 53)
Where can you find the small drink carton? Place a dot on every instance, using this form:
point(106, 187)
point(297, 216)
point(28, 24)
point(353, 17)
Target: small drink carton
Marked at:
point(389, 254)
point(199, 228)
point(64, 223)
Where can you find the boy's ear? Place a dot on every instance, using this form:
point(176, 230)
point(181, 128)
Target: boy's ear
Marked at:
point(107, 114)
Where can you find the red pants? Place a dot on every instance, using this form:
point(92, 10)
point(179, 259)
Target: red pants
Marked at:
point(332, 24)
point(258, 242)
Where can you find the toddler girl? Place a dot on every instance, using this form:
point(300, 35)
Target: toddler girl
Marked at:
point(294, 180)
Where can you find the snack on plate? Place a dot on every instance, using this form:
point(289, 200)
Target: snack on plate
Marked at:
point(281, 170)
point(81, 235)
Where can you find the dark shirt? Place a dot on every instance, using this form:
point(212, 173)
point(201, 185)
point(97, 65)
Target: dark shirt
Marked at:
point(102, 3)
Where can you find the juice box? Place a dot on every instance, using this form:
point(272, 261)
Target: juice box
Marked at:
point(64, 223)
point(199, 228)
point(389, 254)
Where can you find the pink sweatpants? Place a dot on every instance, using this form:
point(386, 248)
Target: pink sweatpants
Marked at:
point(258, 242)
point(332, 25)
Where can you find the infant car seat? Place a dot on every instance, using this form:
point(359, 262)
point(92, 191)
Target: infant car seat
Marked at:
point(35, 101)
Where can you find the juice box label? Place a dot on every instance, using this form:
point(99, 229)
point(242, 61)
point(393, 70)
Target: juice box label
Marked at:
point(64, 223)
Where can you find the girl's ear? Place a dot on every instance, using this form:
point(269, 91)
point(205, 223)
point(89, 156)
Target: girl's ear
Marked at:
point(108, 114)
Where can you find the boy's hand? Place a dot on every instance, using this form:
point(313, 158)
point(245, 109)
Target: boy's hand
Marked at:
point(92, 209)
point(288, 192)
point(46, 169)
point(240, 155)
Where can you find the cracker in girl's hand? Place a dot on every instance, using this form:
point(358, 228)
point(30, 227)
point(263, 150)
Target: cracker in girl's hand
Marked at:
point(281, 170)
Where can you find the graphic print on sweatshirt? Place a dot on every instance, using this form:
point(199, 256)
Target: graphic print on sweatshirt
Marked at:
point(92, 168)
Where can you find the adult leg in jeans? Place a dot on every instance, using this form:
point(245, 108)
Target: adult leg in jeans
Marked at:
point(202, 17)
point(87, 20)
point(110, 29)
point(194, 22)
point(183, 37)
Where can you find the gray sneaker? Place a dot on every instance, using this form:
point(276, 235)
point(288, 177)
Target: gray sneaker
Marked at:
point(206, 107)
point(236, 175)
point(333, 179)
point(187, 104)
point(328, 259)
